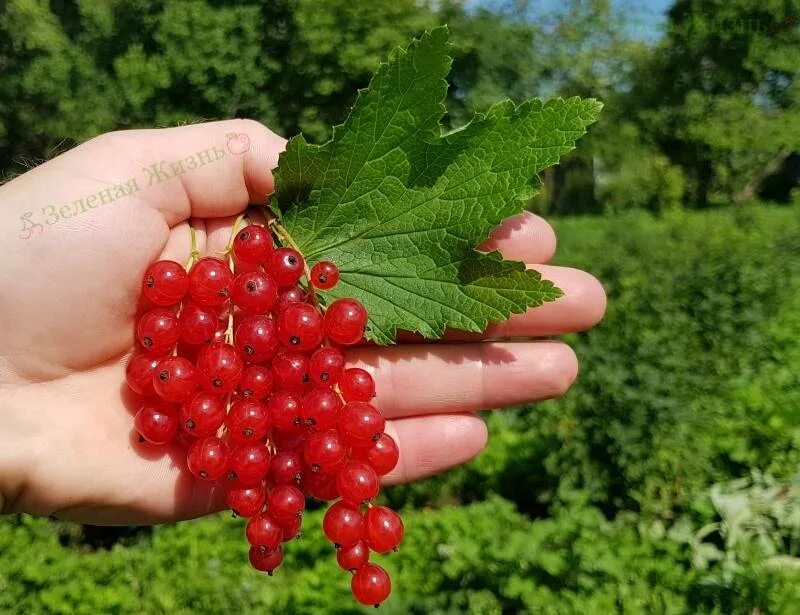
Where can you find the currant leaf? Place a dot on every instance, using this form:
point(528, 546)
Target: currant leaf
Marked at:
point(400, 206)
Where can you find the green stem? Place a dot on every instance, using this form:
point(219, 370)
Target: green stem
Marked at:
point(194, 253)
point(286, 239)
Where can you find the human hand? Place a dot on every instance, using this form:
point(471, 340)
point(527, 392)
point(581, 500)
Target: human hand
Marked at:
point(69, 300)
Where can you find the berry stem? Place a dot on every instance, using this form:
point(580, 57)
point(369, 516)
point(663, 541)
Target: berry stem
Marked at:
point(234, 229)
point(194, 253)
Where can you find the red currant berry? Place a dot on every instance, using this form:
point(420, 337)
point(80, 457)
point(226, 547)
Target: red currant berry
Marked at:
point(219, 368)
point(290, 370)
point(371, 585)
point(265, 560)
point(196, 324)
point(247, 421)
point(325, 366)
point(320, 409)
point(248, 464)
point(295, 294)
point(207, 458)
point(383, 529)
point(300, 327)
point(256, 382)
point(382, 455)
point(324, 275)
point(246, 501)
point(252, 245)
point(286, 265)
point(285, 503)
point(254, 292)
point(256, 338)
point(175, 379)
point(139, 373)
point(209, 282)
point(324, 451)
point(165, 283)
point(202, 415)
point(343, 524)
point(286, 468)
point(284, 411)
point(157, 331)
point(156, 423)
point(263, 532)
point(360, 423)
point(357, 385)
point(345, 320)
point(320, 486)
point(291, 529)
point(357, 482)
point(292, 441)
point(353, 557)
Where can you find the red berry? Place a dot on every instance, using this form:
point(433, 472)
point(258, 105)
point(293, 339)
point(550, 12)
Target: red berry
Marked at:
point(320, 486)
point(324, 275)
point(256, 382)
point(248, 464)
point(263, 532)
point(286, 265)
point(383, 529)
point(357, 482)
point(343, 524)
point(246, 501)
point(207, 458)
point(219, 367)
point(157, 331)
point(165, 283)
point(247, 421)
point(290, 370)
point(324, 451)
point(345, 320)
point(256, 338)
point(320, 409)
point(292, 440)
point(353, 557)
point(156, 423)
point(357, 385)
point(265, 560)
point(360, 423)
point(175, 379)
point(197, 324)
point(326, 365)
point(300, 327)
point(252, 245)
point(284, 411)
point(286, 468)
point(371, 585)
point(295, 294)
point(209, 282)
point(254, 292)
point(382, 455)
point(291, 529)
point(139, 373)
point(202, 415)
point(285, 503)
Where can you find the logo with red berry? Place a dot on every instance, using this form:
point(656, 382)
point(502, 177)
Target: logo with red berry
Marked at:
point(238, 143)
point(29, 227)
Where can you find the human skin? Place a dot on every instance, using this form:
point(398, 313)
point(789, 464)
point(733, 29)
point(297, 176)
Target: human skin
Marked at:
point(68, 307)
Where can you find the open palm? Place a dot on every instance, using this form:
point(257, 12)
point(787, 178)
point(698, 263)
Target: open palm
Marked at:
point(69, 299)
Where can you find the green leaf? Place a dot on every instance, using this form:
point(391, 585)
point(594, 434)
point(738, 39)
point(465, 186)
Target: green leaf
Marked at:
point(400, 207)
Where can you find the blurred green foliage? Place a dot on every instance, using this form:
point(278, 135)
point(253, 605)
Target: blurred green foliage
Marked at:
point(647, 489)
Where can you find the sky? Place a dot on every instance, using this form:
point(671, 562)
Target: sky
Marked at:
point(646, 17)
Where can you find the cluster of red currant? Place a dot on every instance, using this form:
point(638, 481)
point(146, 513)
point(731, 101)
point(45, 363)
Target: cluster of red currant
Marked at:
point(243, 366)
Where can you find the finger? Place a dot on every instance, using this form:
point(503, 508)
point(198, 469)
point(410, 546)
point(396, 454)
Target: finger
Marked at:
point(527, 238)
point(581, 307)
point(423, 379)
point(429, 445)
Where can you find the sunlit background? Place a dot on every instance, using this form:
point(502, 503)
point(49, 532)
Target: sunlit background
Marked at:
point(666, 481)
